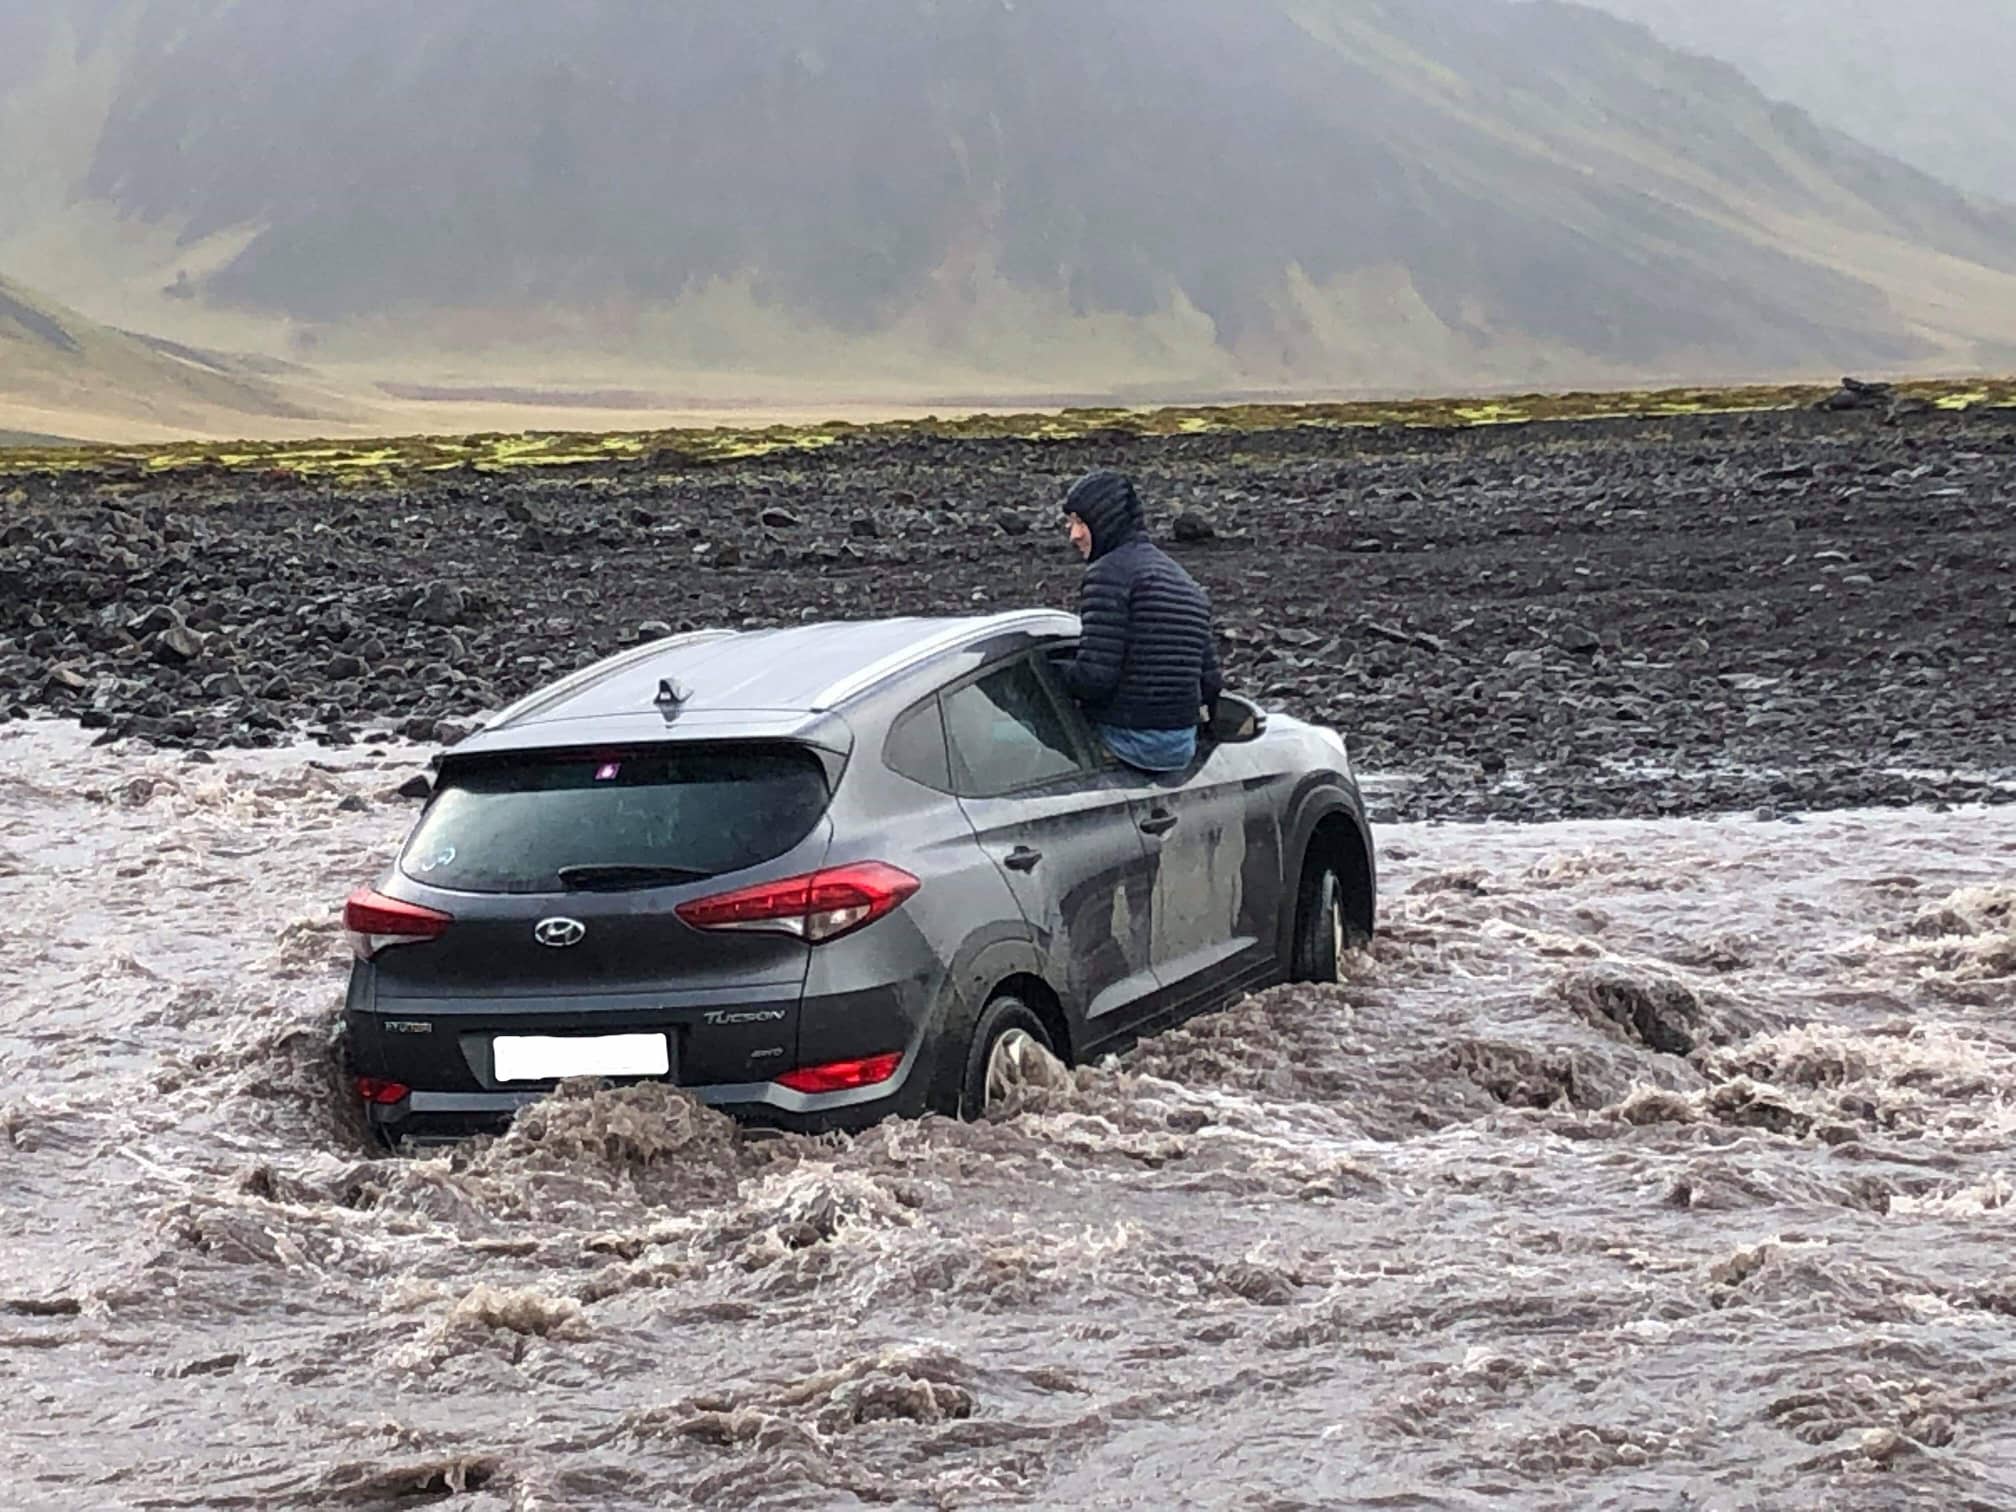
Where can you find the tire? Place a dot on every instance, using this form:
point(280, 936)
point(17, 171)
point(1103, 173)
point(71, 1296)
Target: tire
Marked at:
point(1003, 1029)
point(1320, 930)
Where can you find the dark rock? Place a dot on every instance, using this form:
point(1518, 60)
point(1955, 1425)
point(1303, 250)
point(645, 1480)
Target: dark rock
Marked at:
point(1579, 639)
point(1193, 527)
point(1012, 523)
point(416, 786)
point(343, 667)
point(160, 617)
point(1857, 395)
point(864, 528)
point(176, 646)
point(779, 519)
point(441, 604)
point(722, 554)
point(1375, 629)
point(449, 732)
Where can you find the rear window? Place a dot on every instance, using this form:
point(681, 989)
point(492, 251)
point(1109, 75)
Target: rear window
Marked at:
point(510, 826)
point(916, 747)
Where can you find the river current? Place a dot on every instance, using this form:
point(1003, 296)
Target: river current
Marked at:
point(1637, 1165)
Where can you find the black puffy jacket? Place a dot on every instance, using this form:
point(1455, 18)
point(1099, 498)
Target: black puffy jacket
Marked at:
point(1146, 656)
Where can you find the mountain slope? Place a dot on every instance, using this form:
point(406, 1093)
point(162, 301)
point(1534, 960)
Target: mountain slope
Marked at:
point(1927, 82)
point(1329, 192)
point(67, 375)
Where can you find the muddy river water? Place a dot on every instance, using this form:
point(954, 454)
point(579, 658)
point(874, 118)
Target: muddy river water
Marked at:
point(1639, 1165)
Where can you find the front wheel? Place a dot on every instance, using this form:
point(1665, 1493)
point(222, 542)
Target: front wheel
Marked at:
point(1008, 1048)
point(1319, 926)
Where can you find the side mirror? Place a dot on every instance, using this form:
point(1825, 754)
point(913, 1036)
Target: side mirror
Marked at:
point(1237, 720)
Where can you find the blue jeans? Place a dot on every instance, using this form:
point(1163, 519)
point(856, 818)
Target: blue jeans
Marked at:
point(1150, 750)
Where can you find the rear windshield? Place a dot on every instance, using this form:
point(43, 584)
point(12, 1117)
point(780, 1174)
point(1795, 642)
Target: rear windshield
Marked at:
point(511, 826)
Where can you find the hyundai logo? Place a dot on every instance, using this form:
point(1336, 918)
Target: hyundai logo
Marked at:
point(560, 933)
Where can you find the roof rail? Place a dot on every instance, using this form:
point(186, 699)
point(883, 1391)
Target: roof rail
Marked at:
point(854, 684)
point(574, 682)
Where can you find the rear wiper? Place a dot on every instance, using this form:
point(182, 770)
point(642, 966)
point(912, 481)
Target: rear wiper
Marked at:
point(616, 877)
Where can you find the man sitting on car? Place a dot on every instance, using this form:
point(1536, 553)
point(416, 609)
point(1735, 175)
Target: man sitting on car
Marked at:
point(1146, 671)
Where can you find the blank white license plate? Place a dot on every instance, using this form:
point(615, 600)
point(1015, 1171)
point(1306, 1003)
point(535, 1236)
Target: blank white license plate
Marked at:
point(535, 1057)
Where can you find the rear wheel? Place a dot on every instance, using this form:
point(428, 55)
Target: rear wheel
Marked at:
point(1008, 1048)
point(1320, 931)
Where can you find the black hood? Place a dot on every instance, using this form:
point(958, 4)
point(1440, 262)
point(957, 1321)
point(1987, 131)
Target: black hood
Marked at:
point(1107, 503)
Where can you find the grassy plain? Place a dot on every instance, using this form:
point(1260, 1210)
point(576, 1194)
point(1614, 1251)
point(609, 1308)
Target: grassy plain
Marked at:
point(701, 445)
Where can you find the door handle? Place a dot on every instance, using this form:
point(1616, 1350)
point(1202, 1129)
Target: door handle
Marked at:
point(1022, 859)
point(1158, 823)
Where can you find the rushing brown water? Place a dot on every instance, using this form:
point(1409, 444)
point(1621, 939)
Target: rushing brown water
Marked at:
point(1639, 1165)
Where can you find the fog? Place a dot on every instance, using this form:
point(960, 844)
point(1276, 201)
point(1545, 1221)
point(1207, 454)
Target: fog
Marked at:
point(1094, 198)
point(1926, 81)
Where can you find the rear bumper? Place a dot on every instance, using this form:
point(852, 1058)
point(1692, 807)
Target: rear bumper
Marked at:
point(724, 1044)
point(426, 1117)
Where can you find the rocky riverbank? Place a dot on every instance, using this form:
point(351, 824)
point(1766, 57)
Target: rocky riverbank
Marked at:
point(1791, 611)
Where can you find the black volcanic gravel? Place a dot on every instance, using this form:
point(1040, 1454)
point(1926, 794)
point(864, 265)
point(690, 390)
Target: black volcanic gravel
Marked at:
point(1790, 611)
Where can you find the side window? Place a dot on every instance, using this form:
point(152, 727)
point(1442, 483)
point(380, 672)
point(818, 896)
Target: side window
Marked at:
point(1049, 669)
point(916, 747)
point(1006, 733)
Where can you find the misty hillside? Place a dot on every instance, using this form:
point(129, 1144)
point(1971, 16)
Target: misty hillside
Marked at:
point(1927, 82)
point(1324, 191)
point(61, 369)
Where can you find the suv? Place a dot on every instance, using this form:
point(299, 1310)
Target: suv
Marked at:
point(820, 875)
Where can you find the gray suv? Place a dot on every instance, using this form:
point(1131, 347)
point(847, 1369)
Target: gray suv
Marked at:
point(821, 875)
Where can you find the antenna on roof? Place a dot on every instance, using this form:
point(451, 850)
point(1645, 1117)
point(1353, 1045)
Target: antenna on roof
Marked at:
point(672, 696)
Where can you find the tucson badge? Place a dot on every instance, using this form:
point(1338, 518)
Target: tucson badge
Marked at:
point(560, 933)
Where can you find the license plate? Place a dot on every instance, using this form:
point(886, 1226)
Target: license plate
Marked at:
point(536, 1057)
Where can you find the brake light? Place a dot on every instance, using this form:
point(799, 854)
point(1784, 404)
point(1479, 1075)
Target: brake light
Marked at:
point(377, 923)
point(843, 1076)
point(374, 1089)
point(817, 907)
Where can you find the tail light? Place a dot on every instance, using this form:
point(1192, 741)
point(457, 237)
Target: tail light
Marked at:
point(375, 1089)
point(377, 923)
point(843, 1076)
point(818, 907)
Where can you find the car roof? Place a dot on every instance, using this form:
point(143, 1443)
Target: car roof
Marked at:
point(752, 683)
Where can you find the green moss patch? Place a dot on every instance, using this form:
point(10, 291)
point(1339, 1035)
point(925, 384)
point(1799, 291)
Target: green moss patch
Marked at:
point(378, 460)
